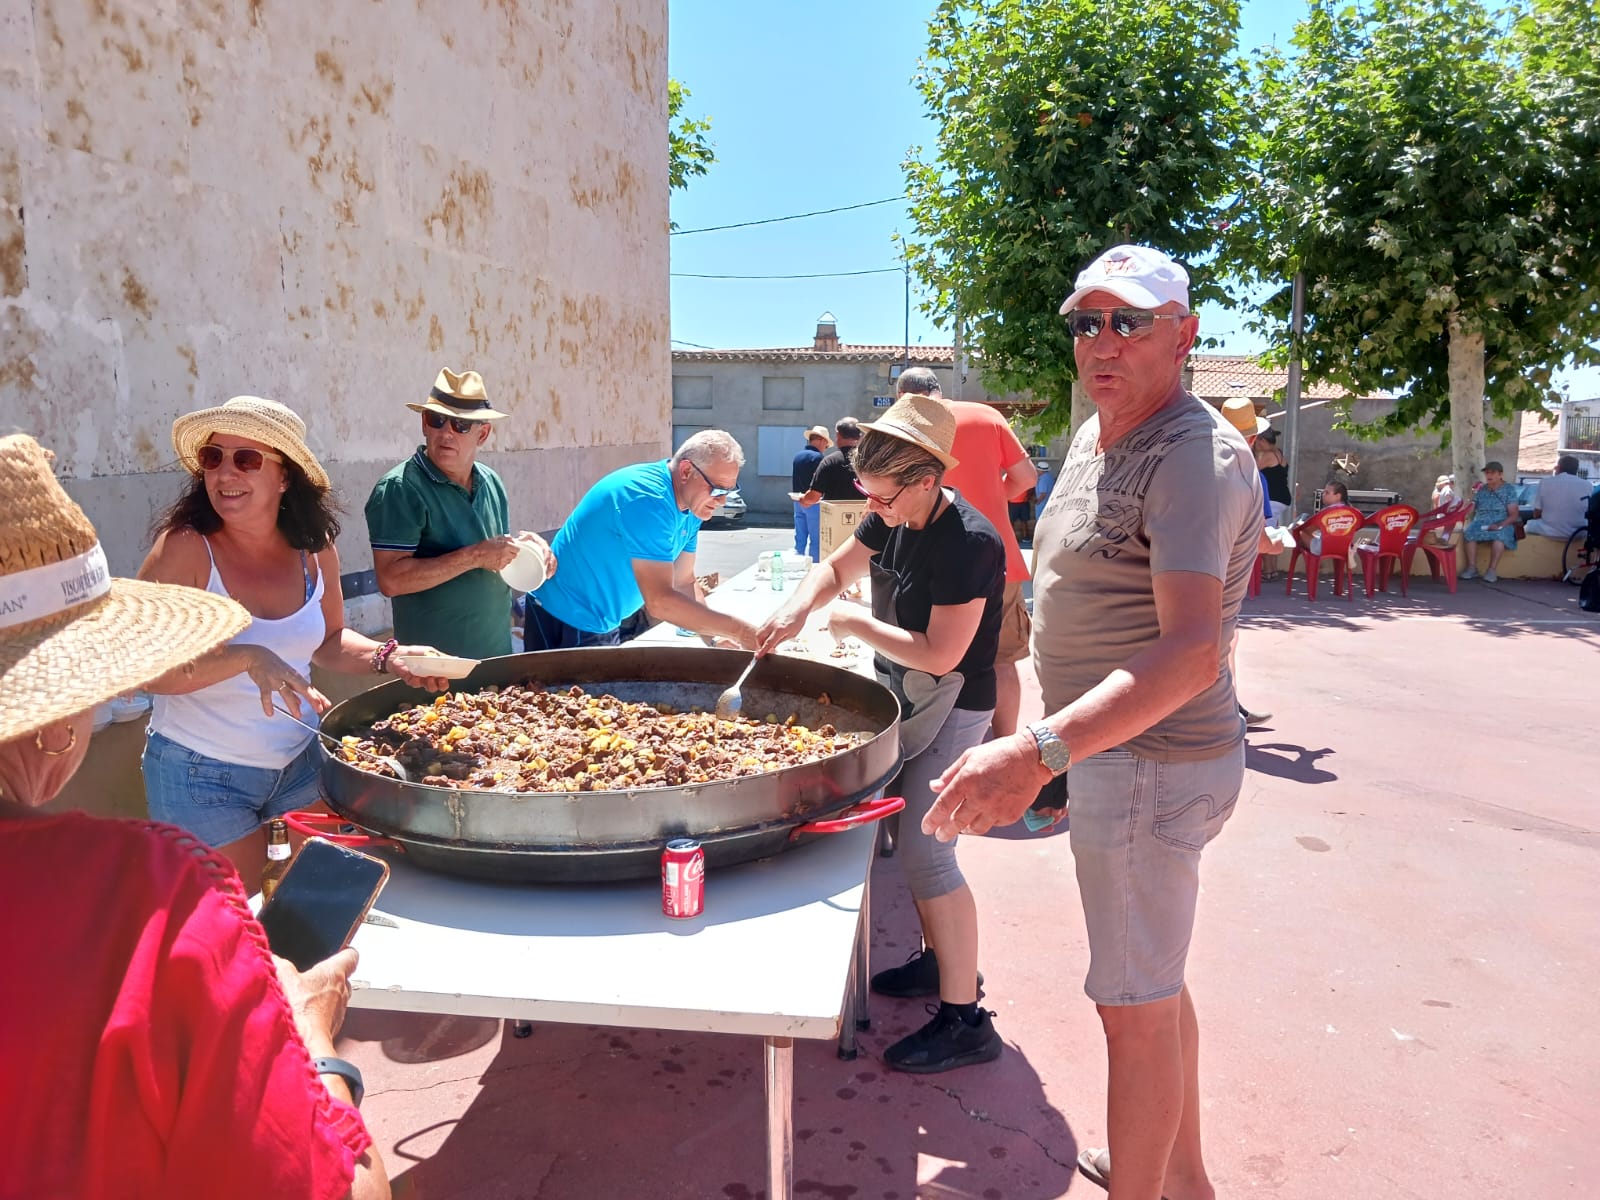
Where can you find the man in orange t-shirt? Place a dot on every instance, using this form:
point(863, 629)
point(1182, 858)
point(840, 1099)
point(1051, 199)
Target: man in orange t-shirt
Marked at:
point(993, 470)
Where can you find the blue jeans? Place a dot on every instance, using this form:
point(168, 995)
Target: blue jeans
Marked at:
point(1138, 827)
point(221, 802)
point(808, 530)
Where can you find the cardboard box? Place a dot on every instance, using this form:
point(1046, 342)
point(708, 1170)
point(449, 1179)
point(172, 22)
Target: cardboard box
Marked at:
point(839, 519)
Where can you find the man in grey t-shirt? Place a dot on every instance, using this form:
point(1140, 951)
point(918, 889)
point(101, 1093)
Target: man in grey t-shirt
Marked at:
point(1143, 556)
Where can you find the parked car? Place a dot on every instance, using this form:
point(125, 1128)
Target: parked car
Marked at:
point(733, 507)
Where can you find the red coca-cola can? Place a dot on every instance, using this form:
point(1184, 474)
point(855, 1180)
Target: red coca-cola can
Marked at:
point(683, 878)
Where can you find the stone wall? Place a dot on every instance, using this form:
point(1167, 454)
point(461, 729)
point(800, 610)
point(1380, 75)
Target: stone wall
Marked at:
point(325, 203)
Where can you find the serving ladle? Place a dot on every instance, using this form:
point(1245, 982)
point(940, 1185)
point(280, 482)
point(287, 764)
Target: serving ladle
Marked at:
point(392, 763)
point(731, 700)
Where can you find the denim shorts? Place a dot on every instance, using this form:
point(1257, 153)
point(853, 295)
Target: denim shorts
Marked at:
point(221, 802)
point(1138, 827)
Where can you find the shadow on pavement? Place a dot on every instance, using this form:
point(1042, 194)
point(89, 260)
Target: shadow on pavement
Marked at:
point(1294, 762)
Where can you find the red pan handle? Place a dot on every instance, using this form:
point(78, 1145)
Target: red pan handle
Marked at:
point(861, 814)
point(326, 826)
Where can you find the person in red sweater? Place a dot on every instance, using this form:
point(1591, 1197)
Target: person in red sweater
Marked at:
point(994, 470)
point(153, 1047)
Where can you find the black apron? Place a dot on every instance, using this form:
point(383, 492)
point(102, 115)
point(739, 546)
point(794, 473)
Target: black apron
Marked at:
point(926, 701)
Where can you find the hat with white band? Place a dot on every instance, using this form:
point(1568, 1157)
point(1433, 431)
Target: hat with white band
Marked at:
point(71, 636)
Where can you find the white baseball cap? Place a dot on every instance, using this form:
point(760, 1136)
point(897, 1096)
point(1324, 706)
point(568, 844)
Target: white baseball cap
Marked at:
point(1145, 278)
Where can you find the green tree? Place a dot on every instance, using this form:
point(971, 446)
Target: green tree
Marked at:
point(689, 152)
point(1065, 127)
point(1432, 167)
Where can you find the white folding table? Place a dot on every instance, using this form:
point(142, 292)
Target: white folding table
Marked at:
point(779, 953)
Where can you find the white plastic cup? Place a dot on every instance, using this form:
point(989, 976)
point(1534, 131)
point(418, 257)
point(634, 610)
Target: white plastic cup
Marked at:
point(525, 572)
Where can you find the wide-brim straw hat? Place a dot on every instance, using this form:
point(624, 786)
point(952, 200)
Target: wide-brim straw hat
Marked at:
point(924, 421)
point(458, 395)
point(819, 431)
point(71, 636)
point(1240, 412)
point(260, 420)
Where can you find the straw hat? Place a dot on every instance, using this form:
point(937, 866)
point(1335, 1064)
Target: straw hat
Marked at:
point(924, 421)
point(820, 431)
point(459, 395)
point(1240, 412)
point(265, 421)
point(71, 636)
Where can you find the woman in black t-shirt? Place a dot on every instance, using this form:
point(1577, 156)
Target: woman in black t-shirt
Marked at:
point(938, 574)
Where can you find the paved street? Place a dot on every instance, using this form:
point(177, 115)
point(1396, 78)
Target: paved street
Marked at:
point(1394, 964)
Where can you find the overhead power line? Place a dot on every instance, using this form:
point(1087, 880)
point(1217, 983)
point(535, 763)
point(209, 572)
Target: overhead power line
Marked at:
point(821, 212)
point(696, 345)
point(818, 275)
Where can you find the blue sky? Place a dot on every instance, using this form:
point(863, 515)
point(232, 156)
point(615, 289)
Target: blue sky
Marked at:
point(813, 107)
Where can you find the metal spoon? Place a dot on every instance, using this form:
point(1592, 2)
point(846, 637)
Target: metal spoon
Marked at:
point(730, 702)
point(392, 763)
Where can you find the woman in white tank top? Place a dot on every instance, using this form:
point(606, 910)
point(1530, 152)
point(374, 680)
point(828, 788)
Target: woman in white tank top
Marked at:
point(257, 523)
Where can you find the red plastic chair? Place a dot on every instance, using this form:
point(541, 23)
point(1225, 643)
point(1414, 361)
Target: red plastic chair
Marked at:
point(1442, 560)
point(1338, 527)
point(1380, 558)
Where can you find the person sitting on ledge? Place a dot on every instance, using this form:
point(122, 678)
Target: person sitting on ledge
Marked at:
point(1561, 505)
point(1494, 520)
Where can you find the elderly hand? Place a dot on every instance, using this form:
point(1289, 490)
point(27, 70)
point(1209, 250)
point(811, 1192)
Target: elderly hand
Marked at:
point(276, 677)
point(989, 785)
point(524, 537)
point(433, 683)
point(318, 997)
point(495, 553)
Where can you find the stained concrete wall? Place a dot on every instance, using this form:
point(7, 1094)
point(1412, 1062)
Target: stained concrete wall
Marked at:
point(325, 203)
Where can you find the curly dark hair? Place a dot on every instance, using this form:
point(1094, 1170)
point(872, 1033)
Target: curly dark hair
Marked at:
point(307, 517)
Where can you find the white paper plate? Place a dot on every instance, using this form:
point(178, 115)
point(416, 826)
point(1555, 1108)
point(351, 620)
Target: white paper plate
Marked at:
point(525, 572)
point(795, 496)
point(446, 665)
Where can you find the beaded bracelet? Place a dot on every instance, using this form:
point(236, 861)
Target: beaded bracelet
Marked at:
point(380, 656)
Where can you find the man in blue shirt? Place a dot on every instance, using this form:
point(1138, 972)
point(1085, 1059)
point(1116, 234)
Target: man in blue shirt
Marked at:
point(808, 520)
point(631, 542)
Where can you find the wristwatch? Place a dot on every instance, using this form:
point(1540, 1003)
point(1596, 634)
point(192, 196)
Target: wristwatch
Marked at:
point(1053, 752)
point(346, 1071)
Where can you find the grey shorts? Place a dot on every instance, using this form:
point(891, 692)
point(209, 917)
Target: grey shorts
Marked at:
point(1138, 827)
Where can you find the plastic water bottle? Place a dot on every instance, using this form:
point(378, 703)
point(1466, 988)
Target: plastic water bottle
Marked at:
point(776, 570)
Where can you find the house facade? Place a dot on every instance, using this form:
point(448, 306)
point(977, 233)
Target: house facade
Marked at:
point(767, 399)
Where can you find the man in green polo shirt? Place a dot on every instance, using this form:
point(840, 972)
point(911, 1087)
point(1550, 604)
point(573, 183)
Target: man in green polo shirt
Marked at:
point(441, 530)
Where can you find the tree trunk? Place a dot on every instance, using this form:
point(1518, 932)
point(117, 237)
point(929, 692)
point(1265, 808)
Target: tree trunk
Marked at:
point(1467, 446)
point(1082, 409)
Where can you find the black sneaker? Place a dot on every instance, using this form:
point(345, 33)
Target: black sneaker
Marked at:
point(917, 976)
point(945, 1043)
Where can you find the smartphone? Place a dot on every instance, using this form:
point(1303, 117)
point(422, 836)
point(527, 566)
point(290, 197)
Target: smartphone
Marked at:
point(321, 901)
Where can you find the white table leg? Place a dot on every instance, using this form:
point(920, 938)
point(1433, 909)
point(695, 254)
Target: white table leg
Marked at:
point(779, 1054)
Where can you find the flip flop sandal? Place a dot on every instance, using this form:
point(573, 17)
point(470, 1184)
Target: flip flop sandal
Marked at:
point(1095, 1166)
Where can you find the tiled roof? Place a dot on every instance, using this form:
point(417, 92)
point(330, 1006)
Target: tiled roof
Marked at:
point(1223, 376)
point(920, 355)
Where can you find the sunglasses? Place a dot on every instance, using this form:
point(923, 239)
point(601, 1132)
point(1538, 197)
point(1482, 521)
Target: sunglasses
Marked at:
point(245, 458)
point(1125, 322)
point(880, 500)
point(459, 424)
point(717, 493)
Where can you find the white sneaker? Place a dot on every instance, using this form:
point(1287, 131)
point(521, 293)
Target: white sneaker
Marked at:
point(1469, 573)
point(1490, 577)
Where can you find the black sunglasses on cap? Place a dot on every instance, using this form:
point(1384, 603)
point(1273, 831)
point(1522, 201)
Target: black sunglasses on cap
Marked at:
point(245, 458)
point(1125, 322)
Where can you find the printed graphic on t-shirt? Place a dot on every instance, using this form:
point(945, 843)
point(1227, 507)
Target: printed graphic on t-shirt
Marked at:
point(1098, 503)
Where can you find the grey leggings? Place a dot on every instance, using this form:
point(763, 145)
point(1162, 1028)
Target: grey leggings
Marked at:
point(929, 864)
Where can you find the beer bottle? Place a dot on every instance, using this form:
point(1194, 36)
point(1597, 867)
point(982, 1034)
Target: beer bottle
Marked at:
point(277, 857)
